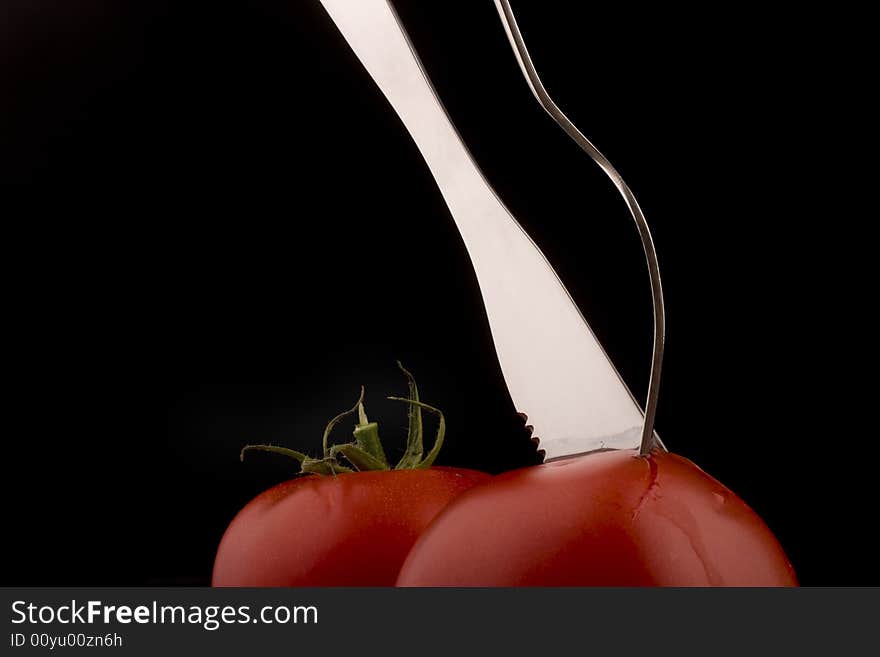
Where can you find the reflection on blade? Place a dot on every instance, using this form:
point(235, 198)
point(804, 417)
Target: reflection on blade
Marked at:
point(555, 369)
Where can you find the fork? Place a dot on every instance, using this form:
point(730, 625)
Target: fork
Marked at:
point(556, 371)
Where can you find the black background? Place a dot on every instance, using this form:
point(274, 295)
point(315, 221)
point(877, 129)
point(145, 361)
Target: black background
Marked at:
point(216, 230)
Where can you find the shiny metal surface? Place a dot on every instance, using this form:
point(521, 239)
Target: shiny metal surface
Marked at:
point(555, 369)
point(649, 438)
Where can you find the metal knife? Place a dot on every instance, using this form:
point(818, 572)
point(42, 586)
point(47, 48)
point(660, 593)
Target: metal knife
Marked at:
point(556, 371)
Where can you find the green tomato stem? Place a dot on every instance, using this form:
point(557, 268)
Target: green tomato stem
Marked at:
point(441, 431)
point(298, 456)
point(325, 466)
point(414, 441)
point(358, 408)
point(367, 440)
point(359, 458)
point(366, 452)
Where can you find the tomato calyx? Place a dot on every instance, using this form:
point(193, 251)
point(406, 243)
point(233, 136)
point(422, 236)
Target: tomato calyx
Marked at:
point(365, 452)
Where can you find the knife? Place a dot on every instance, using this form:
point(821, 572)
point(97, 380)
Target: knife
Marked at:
point(556, 371)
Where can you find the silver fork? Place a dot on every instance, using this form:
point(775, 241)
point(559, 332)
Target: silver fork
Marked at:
point(556, 371)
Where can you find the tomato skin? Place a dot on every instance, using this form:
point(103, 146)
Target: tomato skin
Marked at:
point(349, 530)
point(605, 519)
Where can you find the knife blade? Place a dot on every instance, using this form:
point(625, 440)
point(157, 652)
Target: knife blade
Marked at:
point(555, 369)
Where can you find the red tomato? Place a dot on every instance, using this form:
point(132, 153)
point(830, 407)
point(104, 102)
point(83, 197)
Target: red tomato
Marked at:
point(349, 530)
point(605, 519)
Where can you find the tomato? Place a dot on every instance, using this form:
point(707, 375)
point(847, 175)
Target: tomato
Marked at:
point(353, 518)
point(349, 530)
point(605, 519)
